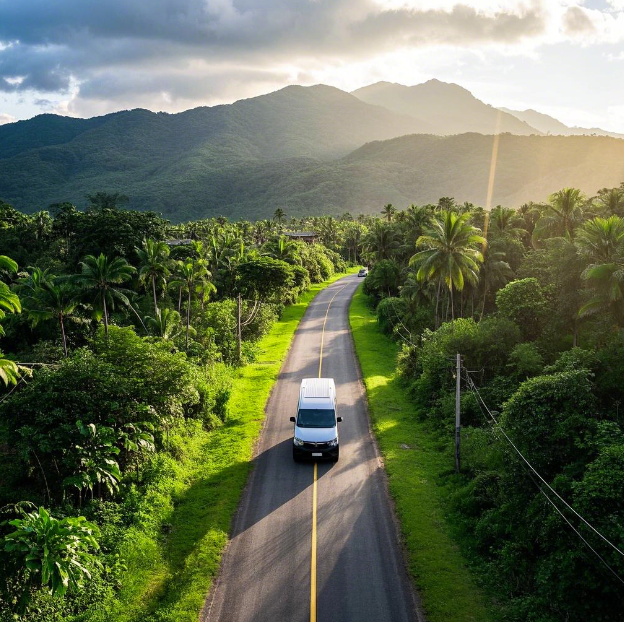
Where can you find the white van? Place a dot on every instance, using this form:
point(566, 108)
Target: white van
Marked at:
point(316, 423)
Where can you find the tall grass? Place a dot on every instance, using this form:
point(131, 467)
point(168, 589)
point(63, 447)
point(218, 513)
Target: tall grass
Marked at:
point(415, 466)
point(174, 552)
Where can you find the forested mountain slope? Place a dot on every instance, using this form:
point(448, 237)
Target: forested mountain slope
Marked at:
point(549, 125)
point(448, 108)
point(308, 150)
point(422, 168)
point(142, 153)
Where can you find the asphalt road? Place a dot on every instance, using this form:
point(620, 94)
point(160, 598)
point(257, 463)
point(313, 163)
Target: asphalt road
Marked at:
point(268, 572)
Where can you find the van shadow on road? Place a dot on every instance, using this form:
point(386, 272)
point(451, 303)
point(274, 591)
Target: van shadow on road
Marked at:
point(279, 480)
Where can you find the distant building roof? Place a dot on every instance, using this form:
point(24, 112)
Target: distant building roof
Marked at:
point(300, 234)
point(183, 242)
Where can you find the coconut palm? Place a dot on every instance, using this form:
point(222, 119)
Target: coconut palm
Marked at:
point(450, 254)
point(601, 240)
point(388, 211)
point(100, 278)
point(282, 248)
point(166, 324)
point(527, 216)
point(279, 215)
point(193, 277)
point(381, 241)
point(562, 215)
point(328, 232)
point(153, 265)
point(495, 273)
point(503, 221)
point(611, 200)
point(53, 301)
point(354, 234)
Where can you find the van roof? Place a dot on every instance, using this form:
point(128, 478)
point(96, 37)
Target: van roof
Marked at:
point(317, 392)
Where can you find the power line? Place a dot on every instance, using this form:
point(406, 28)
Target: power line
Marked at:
point(8, 395)
point(531, 471)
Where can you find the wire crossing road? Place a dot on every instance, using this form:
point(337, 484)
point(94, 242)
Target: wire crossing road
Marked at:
point(315, 541)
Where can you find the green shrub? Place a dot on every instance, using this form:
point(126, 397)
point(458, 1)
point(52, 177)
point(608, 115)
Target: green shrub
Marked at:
point(526, 360)
point(390, 313)
point(524, 303)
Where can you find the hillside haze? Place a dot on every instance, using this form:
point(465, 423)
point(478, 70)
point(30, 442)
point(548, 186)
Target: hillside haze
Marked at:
point(549, 125)
point(309, 150)
point(448, 108)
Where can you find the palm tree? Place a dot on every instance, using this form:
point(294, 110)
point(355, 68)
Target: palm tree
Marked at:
point(527, 216)
point(450, 254)
point(354, 233)
point(503, 222)
point(495, 273)
point(100, 277)
point(193, 277)
point(382, 241)
point(52, 300)
point(562, 215)
point(611, 200)
point(328, 232)
point(388, 211)
point(601, 240)
point(279, 215)
point(153, 264)
point(282, 248)
point(166, 324)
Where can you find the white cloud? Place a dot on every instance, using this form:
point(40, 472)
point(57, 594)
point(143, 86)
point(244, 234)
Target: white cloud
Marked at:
point(6, 118)
point(87, 58)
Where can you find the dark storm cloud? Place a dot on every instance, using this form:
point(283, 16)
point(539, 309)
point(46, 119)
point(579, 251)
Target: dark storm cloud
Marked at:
point(115, 47)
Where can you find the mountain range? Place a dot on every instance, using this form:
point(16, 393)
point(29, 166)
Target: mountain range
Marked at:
point(306, 149)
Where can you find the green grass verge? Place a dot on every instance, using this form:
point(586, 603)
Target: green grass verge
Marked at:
point(415, 466)
point(170, 570)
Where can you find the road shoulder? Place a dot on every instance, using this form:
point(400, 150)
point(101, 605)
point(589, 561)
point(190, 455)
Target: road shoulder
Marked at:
point(414, 464)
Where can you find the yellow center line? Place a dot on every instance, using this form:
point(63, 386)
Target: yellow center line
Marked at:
point(314, 492)
point(323, 331)
point(313, 558)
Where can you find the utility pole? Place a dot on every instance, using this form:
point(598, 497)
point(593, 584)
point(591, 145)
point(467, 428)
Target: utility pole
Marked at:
point(457, 411)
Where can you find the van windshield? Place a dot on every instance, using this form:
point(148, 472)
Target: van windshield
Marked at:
point(316, 418)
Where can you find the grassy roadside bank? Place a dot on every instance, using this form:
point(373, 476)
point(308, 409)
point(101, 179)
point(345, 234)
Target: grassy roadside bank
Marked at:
point(175, 552)
point(414, 465)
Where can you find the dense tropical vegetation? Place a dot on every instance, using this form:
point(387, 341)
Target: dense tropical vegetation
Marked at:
point(121, 335)
point(532, 298)
point(121, 332)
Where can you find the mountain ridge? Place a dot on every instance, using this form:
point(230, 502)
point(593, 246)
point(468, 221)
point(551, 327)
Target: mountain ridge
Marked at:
point(550, 125)
point(448, 107)
point(306, 149)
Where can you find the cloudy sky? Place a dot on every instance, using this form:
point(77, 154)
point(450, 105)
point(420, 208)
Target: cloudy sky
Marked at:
point(89, 57)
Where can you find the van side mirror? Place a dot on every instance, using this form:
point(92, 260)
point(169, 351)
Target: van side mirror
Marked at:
point(339, 419)
point(293, 420)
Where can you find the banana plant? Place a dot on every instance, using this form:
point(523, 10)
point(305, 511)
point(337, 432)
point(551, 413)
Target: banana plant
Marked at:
point(9, 303)
point(96, 461)
point(54, 553)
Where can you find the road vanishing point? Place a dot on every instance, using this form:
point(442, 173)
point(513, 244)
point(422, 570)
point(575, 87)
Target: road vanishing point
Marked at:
point(315, 541)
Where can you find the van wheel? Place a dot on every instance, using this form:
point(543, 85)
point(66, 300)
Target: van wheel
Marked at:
point(335, 458)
